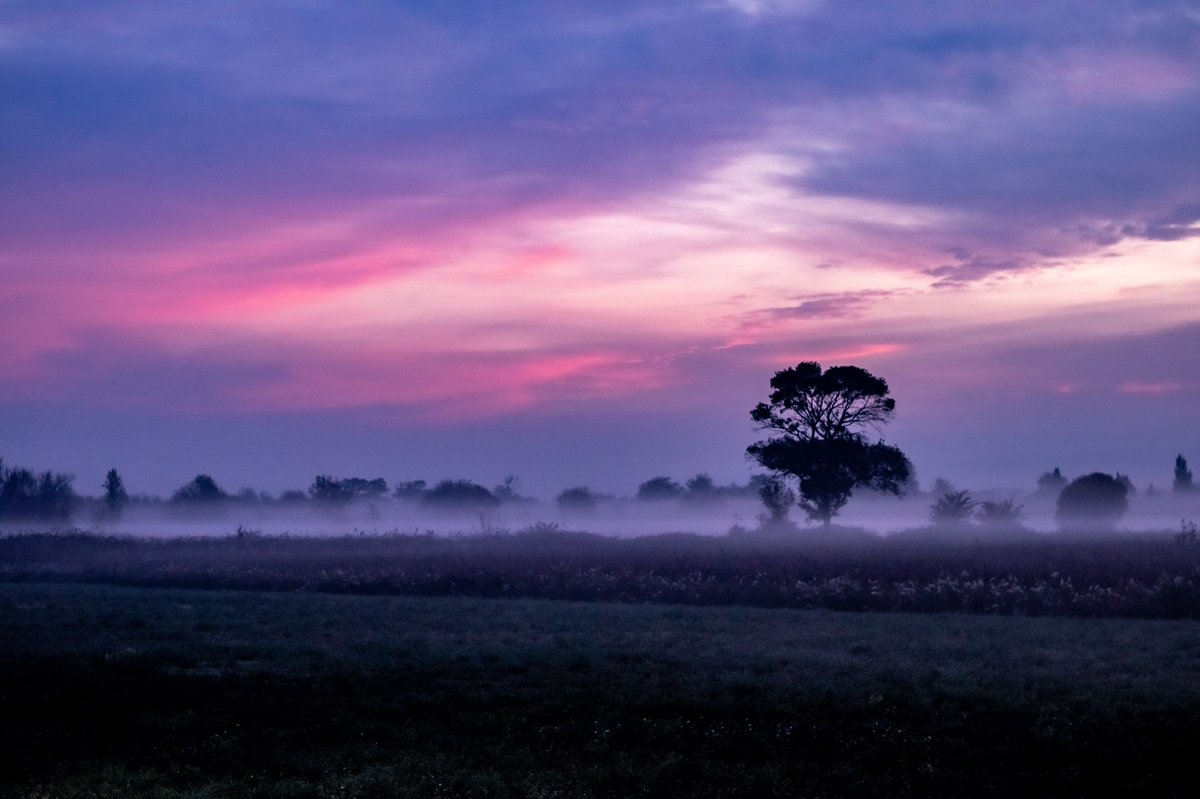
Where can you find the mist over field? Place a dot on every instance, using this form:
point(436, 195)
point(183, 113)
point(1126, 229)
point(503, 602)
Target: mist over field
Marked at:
point(617, 517)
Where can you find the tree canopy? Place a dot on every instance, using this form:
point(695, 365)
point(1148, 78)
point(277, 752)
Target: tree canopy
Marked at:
point(1095, 501)
point(821, 418)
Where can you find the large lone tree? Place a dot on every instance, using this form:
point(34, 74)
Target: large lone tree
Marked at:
point(821, 419)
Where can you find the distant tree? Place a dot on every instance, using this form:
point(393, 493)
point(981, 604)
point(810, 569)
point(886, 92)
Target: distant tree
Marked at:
point(459, 494)
point(777, 498)
point(202, 490)
point(1124, 480)
point(18, 493)
point(25, 494)
point(1183, 476)
point(953, 508)
point(701, 489)
point(362, 488)
point(293, 497)
point(659, 488)
point(328, 491)
point(1095, 501)
point(115, 496)
point(509, 489)
point(409, 489)
point(1051, 482)
point(942, 486)
point(999, 513)
point(820, 418)
point(579, 498)
point(249, 496)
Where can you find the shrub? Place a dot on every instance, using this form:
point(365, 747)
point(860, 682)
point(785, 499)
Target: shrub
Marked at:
point(579, 498)
point(952, 508)
point(1096, 501)
point(659, 488)
point(999, 513)
point(201, 490)
point(459, 494)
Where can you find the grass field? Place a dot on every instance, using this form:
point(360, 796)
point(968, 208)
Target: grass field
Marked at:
point(1150, 575)
point(163, 692)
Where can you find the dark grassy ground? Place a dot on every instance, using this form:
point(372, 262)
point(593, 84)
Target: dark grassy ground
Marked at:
point(118, 691)
point(966, 571)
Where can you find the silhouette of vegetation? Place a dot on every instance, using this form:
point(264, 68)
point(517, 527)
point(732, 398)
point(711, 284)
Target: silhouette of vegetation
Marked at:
point(777, 498)
point(202, 490)
point(1095, 501)
point(509, 490)
point(579, 498)
point(953, 508)
point(1051, 483)
point(659, 488)
point(329, 491)
point(1183, 476)
point(1000, 513)
point(409, 489)
point(25, 494)
point(462, 494)
point(820, 418)
point(115, 496)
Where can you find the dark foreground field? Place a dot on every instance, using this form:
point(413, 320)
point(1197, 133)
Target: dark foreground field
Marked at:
point(124, 691)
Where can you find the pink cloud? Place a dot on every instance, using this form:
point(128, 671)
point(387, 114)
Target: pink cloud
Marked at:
point(1151, 389)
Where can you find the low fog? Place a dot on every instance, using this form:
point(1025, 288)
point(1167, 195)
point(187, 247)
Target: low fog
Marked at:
point(623, 517)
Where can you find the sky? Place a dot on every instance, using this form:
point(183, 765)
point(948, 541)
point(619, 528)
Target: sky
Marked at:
point(572, 241)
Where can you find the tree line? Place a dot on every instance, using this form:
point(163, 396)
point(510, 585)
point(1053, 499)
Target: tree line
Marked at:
point(821, 449)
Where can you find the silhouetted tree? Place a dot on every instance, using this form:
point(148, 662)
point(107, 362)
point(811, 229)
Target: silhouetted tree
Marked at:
point(509, 490)
point(1051, 482)
point(18, 493)
point(459, 494)
point(579, 498)
point(659, 488)
point(1183, 476)
point(115, 496)
point(25, 494)
point(942, 486)
point(1000, 513)
point(326, 490)
point(362, 488)
point(55, 496)
point(409, 489)
point(952, 508)
point(1096, 501)
point(820, 418)
point(777, 498)
point(202, 490)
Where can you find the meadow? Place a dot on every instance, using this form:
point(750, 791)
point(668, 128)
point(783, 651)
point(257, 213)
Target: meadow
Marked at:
point(548, 663)
point(1010, 572)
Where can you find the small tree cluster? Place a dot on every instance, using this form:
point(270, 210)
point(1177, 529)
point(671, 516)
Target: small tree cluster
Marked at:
point(25, 494)
point(1093, 502)
point(326, 490)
